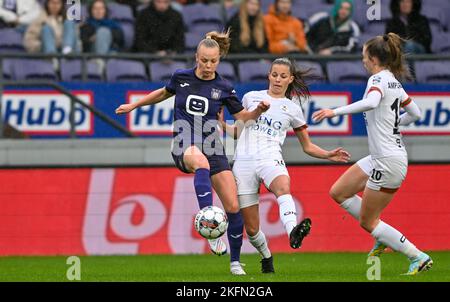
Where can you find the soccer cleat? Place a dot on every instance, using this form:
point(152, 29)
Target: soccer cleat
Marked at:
point(421, 263)
point(377, 249)
point(217, 246)
point(299, 232)
point(236, 268)
point(267, 265)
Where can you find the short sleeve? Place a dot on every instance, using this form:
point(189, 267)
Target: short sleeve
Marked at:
point(172, 84)
point(245, 100)
point(298, 120)
point(406, 100)
point(375, 83)
point(232, 102)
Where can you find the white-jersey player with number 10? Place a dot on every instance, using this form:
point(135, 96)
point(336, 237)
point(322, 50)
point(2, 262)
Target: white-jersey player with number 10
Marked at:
point(382, 172)
point(258, 156)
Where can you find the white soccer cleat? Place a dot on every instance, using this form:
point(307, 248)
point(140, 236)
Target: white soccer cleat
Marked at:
point(236, 268)
point(217, 246)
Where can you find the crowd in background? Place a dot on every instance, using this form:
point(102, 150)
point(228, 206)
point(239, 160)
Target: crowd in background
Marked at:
point(159, 27)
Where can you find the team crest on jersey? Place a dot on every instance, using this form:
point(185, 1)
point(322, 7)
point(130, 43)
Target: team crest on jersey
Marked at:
point(216, 93)
point(284, 108)
point(376, 80)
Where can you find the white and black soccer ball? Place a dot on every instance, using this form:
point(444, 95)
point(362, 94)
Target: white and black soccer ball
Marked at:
point(211, 222)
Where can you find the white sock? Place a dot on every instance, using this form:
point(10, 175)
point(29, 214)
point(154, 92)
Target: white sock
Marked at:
point(386, 234)
point(352, 206)
point(260, 243)
point(288, 214)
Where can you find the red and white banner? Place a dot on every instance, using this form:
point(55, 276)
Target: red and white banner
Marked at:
point(151, 210)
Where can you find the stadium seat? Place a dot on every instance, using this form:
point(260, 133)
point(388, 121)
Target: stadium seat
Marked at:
point(203, 28)
point(120, 12)
point(375, 28)
point(265, 4)
point(441, 42)
point(347, 72)
point(436, 15)
point(305, 9)
point(434, 72)
point(32, 69)
point(226, 70)
point(11, 41)
point(191, 41)
point(254, 71)
point(198, 13)
point(316, 70)
point(125, 70)
point(230, 12)
point(7, 69)
point(128, 32)
point(161, 71)
point(71, 71)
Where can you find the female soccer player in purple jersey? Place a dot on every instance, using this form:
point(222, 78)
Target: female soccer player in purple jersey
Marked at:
point(200, 93)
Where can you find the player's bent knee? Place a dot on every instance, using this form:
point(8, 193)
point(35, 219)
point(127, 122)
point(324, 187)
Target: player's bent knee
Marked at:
point(366, 224)
point(251, 230)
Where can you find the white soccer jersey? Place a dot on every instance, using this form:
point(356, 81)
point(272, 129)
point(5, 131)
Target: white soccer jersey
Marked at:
point(382, 122)
point(263, 139)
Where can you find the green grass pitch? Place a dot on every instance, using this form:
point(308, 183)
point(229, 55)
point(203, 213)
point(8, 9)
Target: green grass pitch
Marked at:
point(296, 267)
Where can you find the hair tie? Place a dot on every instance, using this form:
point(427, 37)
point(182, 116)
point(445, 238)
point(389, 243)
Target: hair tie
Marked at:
point(208, 37)
point(385, 38)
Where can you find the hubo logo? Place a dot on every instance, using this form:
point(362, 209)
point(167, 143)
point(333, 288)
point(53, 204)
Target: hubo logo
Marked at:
point(374, 11)
point(73, 10)
point(46, 112)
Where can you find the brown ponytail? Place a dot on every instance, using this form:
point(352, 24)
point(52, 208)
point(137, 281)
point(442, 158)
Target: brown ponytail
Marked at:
point(216, 39)
point(298, 87)
point(388, 50)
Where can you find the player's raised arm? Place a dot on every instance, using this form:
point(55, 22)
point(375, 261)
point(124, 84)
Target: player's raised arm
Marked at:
point(336, 155)
point(372, 101)
point(152, 98)
point(245, 115)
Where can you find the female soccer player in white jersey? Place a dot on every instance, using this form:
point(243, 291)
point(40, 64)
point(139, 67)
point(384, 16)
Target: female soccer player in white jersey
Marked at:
point(381, 173)
point(258, 156)
point(200, 92)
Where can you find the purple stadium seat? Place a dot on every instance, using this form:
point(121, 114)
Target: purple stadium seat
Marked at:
point(191, 41)
point(125, 70)
point(265, 4)
point(120, 12)
point(436, 15)
point(305, 9)
point(162, 71)
point(199, 14)
point(316, 70)
point(128, 32)
point(33, 69)
point(254, 71)
point(203, 28)
point(7, 69)
point(226, 70)
point(347, 72)
point(375, 28)
point(71, 71)
point(434, 72)
point(441, 42)
point(11, 41)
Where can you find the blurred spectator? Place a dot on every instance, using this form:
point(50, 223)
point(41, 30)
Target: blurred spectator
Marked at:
point(247, 29)
point(335, 33)
point(100, 34)
point(160, 29)
point(51, 32)
point(18, 13)
point(408, 23)
point(284, 32)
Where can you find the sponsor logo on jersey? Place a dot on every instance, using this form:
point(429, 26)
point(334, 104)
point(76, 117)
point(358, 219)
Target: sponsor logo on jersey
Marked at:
point(46, 112)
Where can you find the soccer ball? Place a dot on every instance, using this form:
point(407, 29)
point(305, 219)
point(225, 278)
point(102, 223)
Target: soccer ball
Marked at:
point(211, 222)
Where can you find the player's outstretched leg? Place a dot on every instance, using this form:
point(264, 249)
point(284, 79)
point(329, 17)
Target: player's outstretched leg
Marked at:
point(217, 246)
point(299, 232)
point(259, 241)
point(235, 233)
point(267, 265)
